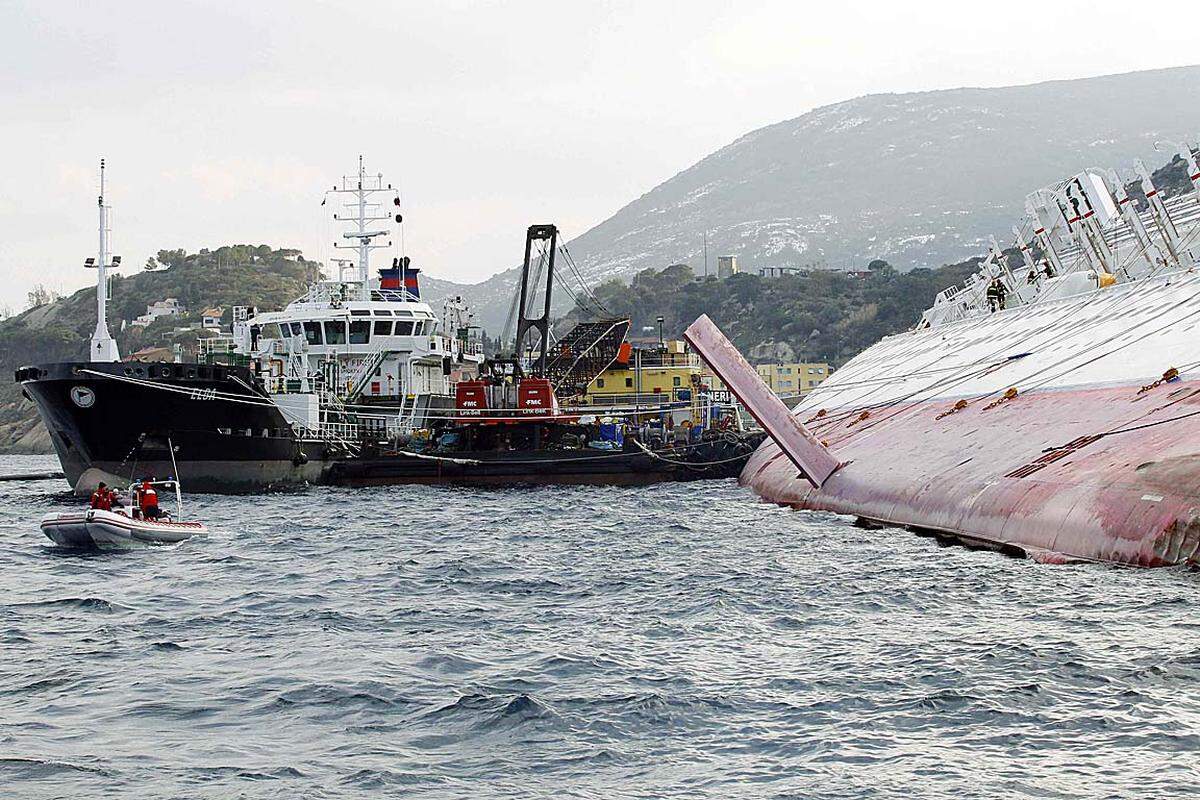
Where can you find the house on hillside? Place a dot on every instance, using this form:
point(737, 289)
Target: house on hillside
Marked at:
point(170, 307)
point(211, 317)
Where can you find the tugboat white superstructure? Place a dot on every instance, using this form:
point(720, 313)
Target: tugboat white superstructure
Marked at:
point(362, 352)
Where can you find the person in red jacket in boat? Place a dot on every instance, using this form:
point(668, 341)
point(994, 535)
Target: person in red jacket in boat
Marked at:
point(102, 498)
point(148, 501)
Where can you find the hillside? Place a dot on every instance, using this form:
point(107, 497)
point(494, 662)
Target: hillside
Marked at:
point(917, 179)
point(59, 331)
point(822, 315)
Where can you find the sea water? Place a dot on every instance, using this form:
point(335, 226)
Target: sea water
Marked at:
point(677, 641)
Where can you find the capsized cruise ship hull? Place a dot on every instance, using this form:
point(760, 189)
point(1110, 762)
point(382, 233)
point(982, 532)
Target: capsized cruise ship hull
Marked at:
point(1096, 457)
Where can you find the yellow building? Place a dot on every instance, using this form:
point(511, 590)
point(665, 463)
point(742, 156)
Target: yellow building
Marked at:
point(791, 380)
point(650, 371)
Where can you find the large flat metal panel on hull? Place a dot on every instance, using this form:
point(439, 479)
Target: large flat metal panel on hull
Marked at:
point(815, 462)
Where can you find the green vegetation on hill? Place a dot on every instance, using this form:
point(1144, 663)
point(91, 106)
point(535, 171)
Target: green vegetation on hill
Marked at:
point(256, 275)
point(821, 315)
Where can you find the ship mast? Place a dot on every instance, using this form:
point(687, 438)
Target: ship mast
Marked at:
point(103, 346)
point(362, 188)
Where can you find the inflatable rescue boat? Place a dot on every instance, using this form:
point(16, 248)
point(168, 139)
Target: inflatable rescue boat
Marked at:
point(122, 526)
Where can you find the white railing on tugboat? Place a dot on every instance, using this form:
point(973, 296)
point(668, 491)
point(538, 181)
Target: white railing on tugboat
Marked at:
point(217, 345)
point(344, 431)
point(395, 296)
point(332, 292)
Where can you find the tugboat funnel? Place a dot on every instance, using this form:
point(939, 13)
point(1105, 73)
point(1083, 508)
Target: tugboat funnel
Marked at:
point(813, 459)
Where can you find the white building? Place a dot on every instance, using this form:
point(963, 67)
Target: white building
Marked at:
point(211, 317)
point(726, 266)
point(170, 307)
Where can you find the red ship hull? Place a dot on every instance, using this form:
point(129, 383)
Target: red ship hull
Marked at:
point(1104, 474)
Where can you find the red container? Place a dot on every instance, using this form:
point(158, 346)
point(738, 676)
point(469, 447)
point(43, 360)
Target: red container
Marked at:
point(470, 397)
point(536, 396)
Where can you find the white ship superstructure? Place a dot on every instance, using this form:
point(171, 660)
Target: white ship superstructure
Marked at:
point(1082, 234)
point(367, 351)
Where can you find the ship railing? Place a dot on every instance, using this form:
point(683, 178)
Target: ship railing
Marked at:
point(211, 345)
point(395, 296)
point(343, 434)
point(282, 384)
point(332, 292)
point(680, 394)
point(330, 399)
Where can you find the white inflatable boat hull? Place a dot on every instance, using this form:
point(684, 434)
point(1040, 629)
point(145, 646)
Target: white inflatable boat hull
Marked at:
point(96, 528)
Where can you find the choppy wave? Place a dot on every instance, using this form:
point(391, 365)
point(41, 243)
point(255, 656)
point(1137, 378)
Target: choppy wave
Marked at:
point(672, 641)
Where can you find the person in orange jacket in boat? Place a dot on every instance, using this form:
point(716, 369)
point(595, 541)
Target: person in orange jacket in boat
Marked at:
point(148, 501)
point(102, 498)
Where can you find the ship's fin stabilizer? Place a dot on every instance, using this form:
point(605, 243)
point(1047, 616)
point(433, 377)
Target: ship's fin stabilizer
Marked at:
point(812, 458)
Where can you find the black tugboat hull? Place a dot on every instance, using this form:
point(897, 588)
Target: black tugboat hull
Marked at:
point(114, 422)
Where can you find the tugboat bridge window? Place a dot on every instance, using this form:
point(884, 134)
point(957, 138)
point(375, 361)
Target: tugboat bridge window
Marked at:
point(335, 332)
point(404, 329)
point(360, 332)
point(312, 332)
point(383, 327)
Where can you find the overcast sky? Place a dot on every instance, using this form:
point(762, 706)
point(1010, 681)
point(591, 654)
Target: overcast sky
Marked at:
point(223, 122)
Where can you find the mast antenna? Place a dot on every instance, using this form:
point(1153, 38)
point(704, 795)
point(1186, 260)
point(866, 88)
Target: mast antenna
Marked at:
point(363, 208)
point(103, 346)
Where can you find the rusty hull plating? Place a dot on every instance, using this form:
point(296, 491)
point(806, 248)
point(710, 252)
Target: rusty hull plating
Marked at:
point(1008, 476)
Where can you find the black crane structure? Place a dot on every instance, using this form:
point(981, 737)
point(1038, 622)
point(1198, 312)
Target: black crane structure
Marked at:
point(585, 351)
point(541, 323)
